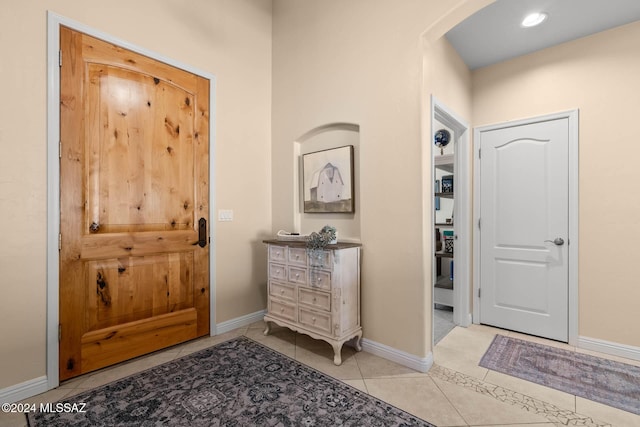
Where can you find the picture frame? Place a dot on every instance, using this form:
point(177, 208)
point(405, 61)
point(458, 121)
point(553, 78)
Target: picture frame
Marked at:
point(447, 184)
point(328, 182)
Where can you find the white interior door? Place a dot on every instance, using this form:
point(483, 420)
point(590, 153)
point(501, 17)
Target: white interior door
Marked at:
point(524, 228)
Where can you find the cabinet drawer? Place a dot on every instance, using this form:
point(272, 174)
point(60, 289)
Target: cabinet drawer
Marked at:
point(280, 290)
point(277, 271)
point(315, 320)
point(321, 260)
point(316, 299)
point(298, 256)
point(320, 279)
point(277, 253)
point(298, 275)
point(282, 309)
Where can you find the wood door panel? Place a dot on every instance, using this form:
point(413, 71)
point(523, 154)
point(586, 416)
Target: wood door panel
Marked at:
point(112, 345)
point(97, 51)
point(141, 159)
point(128, 289)
point(71, 208)
point(134, 173)
point(116, 245)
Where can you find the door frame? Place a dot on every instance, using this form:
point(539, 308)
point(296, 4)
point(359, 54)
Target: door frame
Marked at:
point(572, 241)
point(54, 21)
point(462, 210)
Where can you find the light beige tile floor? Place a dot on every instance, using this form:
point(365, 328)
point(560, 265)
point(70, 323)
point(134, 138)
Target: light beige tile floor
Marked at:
point(455, 392)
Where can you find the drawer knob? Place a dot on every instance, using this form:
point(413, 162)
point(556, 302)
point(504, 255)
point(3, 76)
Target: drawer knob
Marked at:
point(297, 275)
point(282, 310)
point(314, 299)
point(313, 319)
point(282, 291)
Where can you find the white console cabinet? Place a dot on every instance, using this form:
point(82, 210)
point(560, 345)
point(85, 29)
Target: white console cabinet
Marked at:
point(318, 296)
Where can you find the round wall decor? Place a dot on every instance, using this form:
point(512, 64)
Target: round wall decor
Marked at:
point(441, 139)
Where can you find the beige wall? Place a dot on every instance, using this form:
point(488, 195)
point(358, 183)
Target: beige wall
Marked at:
point(599, 76)
point(229, 39)
point(448, 78)
point(360, 62)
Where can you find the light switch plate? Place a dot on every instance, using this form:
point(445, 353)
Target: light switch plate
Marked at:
point(225, 215)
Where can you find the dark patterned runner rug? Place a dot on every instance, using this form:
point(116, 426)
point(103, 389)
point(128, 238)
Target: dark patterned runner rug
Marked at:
point(612, 383)
point(236, 383)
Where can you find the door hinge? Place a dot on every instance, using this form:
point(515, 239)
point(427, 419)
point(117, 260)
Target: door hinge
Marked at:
point(478, 223)
point(60, 150)
point(59, 332)
point(479, 292)
point(479, 153)
point(59, 241)
point(60, 58)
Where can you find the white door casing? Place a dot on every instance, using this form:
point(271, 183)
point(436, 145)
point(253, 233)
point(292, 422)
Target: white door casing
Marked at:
point(462, 210)
point(524, 203)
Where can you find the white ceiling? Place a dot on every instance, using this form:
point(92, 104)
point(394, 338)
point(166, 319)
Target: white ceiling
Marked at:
point(494, 33)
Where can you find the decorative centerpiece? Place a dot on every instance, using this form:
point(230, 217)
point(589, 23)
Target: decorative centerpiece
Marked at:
point(318, 240)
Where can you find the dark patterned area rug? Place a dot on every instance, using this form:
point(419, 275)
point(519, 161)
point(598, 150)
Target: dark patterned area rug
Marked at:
point(612, 383)
point(236, 383)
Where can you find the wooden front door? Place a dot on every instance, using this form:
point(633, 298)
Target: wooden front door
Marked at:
point(134, 172)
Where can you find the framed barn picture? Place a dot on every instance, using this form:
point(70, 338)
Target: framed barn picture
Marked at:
point(328, 181)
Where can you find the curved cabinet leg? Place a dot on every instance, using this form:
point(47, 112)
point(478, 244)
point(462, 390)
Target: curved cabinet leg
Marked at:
point(357, 342)
point(337, 353)
point(267, 329)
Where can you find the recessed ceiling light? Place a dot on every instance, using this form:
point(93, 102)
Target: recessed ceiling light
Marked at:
point(533, 19)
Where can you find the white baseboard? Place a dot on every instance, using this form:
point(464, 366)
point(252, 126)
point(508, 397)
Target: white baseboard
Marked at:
point(611, 348)
point(398, 356)
point(18, 392)
point(466, 320)
point(239, 322)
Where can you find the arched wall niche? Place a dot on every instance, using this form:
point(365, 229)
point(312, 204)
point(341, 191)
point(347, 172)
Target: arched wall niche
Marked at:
point(325, 137)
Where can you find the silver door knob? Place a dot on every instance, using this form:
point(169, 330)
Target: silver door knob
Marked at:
point(558, 241)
